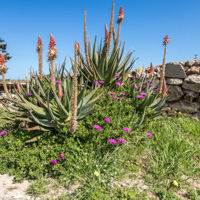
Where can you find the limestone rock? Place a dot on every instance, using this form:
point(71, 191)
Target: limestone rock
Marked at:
point(190, 63)
point(186, 68)
point(184, 106)
point(197, 62)
point(193, 70)
point(195, 78)
point(191, 86)
point(174, 81)
point(175, 93)
point(190, 96)
point(174, 70)
point(156, 82)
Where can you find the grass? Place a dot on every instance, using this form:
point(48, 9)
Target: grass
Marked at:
point(143, 168)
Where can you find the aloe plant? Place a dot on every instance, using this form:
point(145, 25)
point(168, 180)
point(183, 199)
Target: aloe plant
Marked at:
point(53, 110)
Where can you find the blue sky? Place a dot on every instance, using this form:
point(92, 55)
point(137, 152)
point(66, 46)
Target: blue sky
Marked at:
point(145, 25)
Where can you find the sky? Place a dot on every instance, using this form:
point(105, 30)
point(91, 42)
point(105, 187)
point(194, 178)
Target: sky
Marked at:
point(145, 25)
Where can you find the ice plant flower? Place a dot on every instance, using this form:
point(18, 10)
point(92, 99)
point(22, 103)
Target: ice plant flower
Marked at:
point(149, 81)
point(140, 91)
point(175, 183)
point(116, 98)
point(97, 127)
point(135, 86)
point(122, 140)
point(112, 141)
point(122, 93)
point(141, 86)
point(57, 82)
point(61, 156)
point(144, 83)
point(166, 40)
point(113, 93)
point(96, 173)
point(140, 96)
point(50, 78)
point(119, 83)
point(3, 133)
point(149, 134)
point(126, 130)
point(102, 82)
point(98, 84)
point(116, 76)
point(107, 120)
point(54, 162)
point(95, 81)
point(29, 94)
point(156, 90)
point(143, 93)
point(150, 85)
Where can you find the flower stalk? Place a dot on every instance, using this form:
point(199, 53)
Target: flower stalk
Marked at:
point(39, 50)
point(165, 42)
point(85, 40)
point(27, 83)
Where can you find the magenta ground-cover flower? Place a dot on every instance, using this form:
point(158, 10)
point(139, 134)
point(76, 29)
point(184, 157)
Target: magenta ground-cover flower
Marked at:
point(122, 140)
point(140, 96)
point(107, 120)
point(116, 76)
point(126, 129)
point(140, 91)
point(102, 82)
point(3, 133)
point(122, 93)
point(149, 134)
point(119, 83)
point(141, 86)
point(95, 81)
point(61, 156)
point(143, 93)
point(113, 93)
point(151, 85)
point(29, 94)
point(112, 141)
point(50, 78)
point(149, 81)
point(135, 86)
point(156, 90)
point(144, 82)
point(116, 98)
point(57, 81)
point(54, 162)
point(97, 127)
point(98, 84)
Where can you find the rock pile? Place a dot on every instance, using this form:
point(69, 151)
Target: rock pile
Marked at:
point(183, 81)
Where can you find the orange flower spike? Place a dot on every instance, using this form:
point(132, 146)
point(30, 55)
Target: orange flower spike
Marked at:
point(164, 88)
point(120, 15)
point(52, 42)
point(59, 92)
point(106, 33)
point(151, 71)
point(2, 60)
point(39, 44)
point(166, 40)
point(52, 53)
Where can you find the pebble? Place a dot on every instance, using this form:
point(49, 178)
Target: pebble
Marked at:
point(17, 197)
point(6, 182)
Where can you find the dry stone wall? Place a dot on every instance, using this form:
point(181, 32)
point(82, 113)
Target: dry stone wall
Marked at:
point(183, 83)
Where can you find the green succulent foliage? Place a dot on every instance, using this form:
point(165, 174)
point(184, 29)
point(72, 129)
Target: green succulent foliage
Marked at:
point(103, 67)
point(49, 113)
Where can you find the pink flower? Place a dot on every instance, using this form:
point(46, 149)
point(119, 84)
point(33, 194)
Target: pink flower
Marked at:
point(107, 120)
point(50, 78)
point(143, 93)
point(126, 129)
point(54, 162)
point(97, 127)
point(111, 93)
point(3, 133)
point(102, 82)
point(156, 90)
point(122, 140)
point(140, 96)
point(149, 134)
point(95, 81)
point(29, 94)
point(119, 83)
point(144, 83)
point(122, 93)
point(135, 86)
point(151, 85)
point(149, 81)
point(57, 81)
point(98, 84)
point(112, 141)
point(116, 98)
point(116, 76)
point(141, 86)
point(140, 91)
point(61, 156)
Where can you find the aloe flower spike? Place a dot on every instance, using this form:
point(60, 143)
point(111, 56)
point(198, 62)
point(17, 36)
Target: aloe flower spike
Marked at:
point(106, 33)
point(85, 40)
point(39, 50)
point(151, 71)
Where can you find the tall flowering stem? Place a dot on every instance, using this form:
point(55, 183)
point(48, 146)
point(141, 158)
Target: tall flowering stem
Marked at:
point(106, 34)
point(119, 21)
point(3, 70)
point(73, 123)
point(85, 40)
point(59, 92)
point(27, 83)
point(39, 50)
point(151, 71)
point(52, 54)
point(164, 91)
point(111, 29)
point(165, 42)
point(114, 36)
